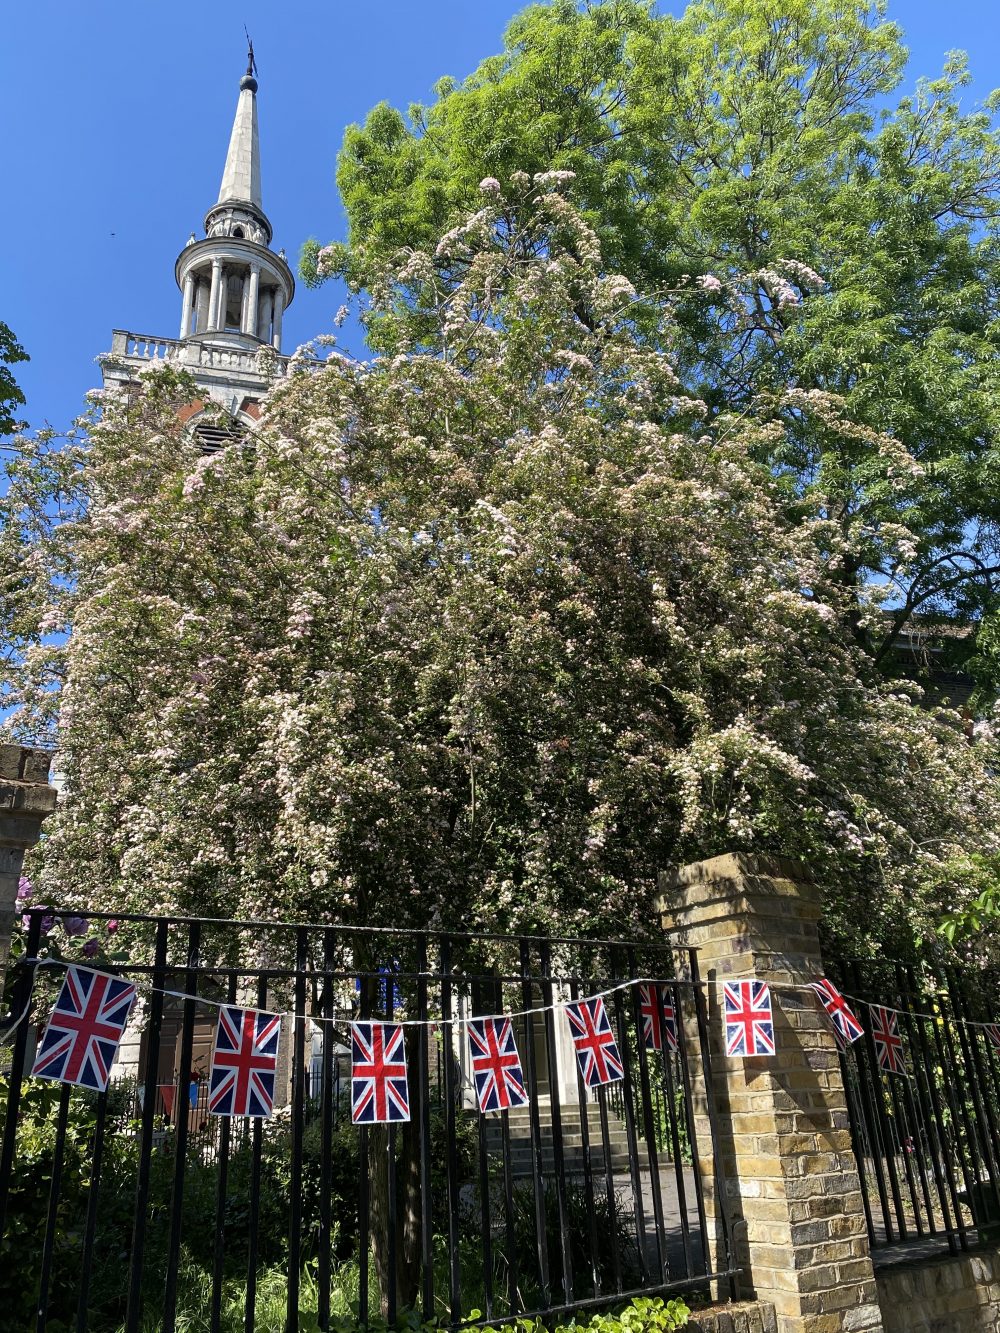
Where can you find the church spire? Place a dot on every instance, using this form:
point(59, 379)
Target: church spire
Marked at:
point(238, 211)
point(235, 290)
point(241, 177)
point(235, 287)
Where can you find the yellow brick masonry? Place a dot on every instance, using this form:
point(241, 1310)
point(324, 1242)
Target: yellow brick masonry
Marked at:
point(792, 1183)
point(959, 1294)
point(744, 1317)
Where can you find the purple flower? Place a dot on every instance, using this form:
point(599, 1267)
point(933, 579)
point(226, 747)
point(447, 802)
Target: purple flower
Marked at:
point(90, 947)
point(25, 891)
point(48, 922)
point(75, 925)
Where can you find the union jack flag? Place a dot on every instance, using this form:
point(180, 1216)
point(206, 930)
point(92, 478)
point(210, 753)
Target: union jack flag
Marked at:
point(244, 1061)
point(84, 1030)
point(846, 1026)
point(596, 1049)
point(379, 1091)
point(659, 1019)
point(496, 1065)
point(888, 1042)
point(993, 1032)
point(749, 1024)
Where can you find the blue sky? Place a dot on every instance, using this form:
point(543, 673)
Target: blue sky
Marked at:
point(117, 119)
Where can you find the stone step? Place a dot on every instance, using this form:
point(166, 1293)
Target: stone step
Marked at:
point(566, 1109)
point(617, 1140)
point(522, 1125)
point(523, 1164)
point(547, 1153)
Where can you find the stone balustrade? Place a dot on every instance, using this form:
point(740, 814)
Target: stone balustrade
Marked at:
point(145, 347)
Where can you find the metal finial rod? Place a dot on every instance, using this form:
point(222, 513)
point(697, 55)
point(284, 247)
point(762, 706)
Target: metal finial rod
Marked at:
point(251, 62)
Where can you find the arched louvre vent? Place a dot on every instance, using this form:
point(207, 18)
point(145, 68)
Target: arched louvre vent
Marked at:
point(215, 435)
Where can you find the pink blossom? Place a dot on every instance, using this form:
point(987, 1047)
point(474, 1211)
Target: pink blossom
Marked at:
point(489, 185)
point(112, 926)
point(708, 282)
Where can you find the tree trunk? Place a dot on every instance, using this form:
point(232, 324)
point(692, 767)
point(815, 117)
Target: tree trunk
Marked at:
point(406, 1277)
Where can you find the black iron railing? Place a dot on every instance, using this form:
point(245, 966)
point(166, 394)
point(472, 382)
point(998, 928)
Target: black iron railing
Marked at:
point(927, 1138)
point(579, 1200)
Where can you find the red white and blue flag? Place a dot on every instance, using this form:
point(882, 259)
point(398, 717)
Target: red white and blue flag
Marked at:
point(888, 1042)
point(379, 1091)
point(596, 1049)
point(846, 1026)
point(749, 1024)
point(496, 1065)
point(244, 1062)
point(993, 1032)
point(85, 1028)
point(659, 1018)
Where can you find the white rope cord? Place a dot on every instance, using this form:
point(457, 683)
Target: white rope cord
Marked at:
point(457, 1021)
point(781, 987)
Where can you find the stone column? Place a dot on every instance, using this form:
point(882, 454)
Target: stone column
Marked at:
point(201, 306)
point(279, 305)
point(264, 315)
point(792, 1180)
point(25, 800)
point(187, 304)
point(213, 298)
point(250, 313)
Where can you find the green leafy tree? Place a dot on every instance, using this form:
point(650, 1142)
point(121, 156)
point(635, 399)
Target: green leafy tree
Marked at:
point(11, 397)
point(845, 251)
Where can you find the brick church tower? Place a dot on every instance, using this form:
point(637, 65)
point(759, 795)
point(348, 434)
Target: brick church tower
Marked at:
point(234, 292)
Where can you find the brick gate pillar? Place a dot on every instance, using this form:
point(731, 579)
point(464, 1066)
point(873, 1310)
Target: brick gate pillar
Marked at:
point(25, 800)
point(793, 1189)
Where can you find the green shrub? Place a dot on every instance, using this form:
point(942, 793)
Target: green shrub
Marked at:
point(28, 1200)
point(645, 1314)
point(21, 1245)
point(608, 1222)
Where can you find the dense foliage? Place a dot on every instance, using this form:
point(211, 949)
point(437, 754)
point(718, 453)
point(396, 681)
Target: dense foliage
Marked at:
point(11, 396)
point(845, 250)
point(481, 633)
point(22, 1241)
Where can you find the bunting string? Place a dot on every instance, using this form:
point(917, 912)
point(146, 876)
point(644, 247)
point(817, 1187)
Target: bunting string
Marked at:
point(461, 1020)
point(87, 1022)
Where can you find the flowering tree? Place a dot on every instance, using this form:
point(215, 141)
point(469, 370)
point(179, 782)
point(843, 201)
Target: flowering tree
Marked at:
point(481, 633)
point(745, 142)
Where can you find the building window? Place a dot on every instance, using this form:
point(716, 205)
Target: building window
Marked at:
point(215, 434)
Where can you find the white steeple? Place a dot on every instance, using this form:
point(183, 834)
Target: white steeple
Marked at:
point(234, 287)
point(241, 178)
